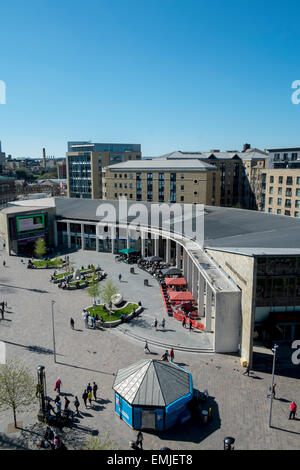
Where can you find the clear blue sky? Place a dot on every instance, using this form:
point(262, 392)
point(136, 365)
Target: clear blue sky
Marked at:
point(169, 74)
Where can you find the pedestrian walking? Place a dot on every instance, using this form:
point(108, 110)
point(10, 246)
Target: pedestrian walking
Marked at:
point(247, 371)
point(2, 312)
point(155, 323)
point(163, 323)
point(77, 404)
point(293, 410)
point(86, 320)
point(58, 384)
point(67, 402)
point(139, 439)
point(85, 397)
point(146, 347)
point(93, 321)
point(184, 322)
point(72, 323)
point(4, 262)
point(172, 355)
point(272, 390)
point(89, 387)
point(95, 388)
point(190, 325)
point(90, 396)
point(120, 277)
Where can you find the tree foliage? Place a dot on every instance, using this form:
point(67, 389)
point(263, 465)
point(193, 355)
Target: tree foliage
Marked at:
point(17, 387)
point(40, 248)
point(93, 290)
point(108, 291)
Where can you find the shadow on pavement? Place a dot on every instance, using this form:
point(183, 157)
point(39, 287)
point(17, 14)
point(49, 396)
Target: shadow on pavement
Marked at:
point(194, 430)
point(85, 368)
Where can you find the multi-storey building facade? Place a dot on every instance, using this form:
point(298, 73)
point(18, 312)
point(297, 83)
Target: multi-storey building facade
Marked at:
point(85, 161)
point(161, 180)
point(236, 181)
point(281, 191)
point(7, 189)
point(288, 157)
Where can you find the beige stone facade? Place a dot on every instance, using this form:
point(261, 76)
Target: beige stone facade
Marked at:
point(281, 191)
point(201, 187)
point(242, 270)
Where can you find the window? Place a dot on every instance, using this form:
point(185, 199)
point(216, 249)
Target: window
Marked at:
point(130, 185)
point(120, 175)
point(270, 210)
point(130, 176)
point(182, 187)
point(116, 195)
point(125, 175)
point(195, 181)
point(195, 193)
point(276, 157)
point(294, 156)
point(278, 211)
point(297, 203)
point(181, 198)
point(271, 179)
point(296, 214)
point(116, 175)
point(297, 192)
point(279, 190)
point(271, 191)
point(120, 185)
point(289, 180)
point(298, 180)
point(270, 200)
point(116, 185)
point(288, 203)
point(288, 192)
point(130, 195)
point(279, 201)
point(280, 179)
point(287, 212)
point(182, 176)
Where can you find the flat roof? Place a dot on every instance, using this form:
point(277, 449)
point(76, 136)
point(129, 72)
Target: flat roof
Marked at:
point(225, 228)
point(163, 164)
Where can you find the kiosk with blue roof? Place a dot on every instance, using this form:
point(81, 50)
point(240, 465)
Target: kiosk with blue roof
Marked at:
point(153, 394)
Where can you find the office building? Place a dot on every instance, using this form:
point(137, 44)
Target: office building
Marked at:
point(85, 161)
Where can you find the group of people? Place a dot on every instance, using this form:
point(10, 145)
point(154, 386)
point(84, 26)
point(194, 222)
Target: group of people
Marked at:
point(89, 393)
point(187, 321)
point(166, 354)
point(60, 414)
point(51, 441)
point(87, 317)
point(162, 324)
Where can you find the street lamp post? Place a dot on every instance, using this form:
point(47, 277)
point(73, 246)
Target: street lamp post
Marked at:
point(274, 349)
point(53, 330)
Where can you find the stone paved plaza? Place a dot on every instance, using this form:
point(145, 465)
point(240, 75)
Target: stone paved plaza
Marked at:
point(239, 403)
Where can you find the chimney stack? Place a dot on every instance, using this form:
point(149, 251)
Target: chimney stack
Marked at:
point(246, 147)
point(44, 157)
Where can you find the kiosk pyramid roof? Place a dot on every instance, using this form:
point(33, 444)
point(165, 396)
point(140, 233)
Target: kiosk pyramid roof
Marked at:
point(152, 383)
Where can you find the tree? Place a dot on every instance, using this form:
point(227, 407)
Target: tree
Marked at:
point(17, 387)
point(93, 290)
point(100, 443)
point(40, 248)
point(108, 291)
